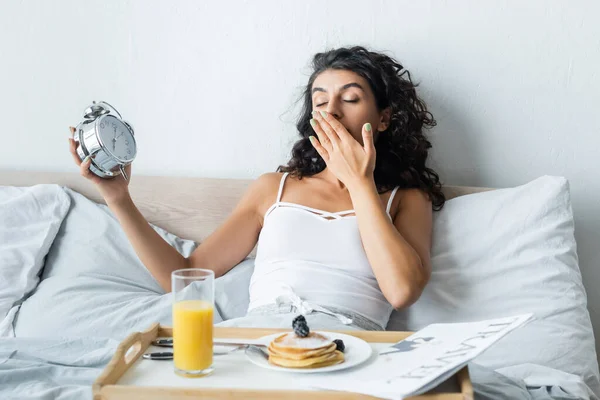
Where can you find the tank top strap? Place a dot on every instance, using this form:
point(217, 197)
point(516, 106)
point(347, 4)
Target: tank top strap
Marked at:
point(390, 201)
point(281, 186)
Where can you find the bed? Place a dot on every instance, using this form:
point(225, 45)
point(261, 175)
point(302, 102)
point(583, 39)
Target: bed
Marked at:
point(71, 280)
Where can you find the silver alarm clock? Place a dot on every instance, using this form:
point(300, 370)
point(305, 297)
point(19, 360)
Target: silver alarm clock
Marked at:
point(107, 139)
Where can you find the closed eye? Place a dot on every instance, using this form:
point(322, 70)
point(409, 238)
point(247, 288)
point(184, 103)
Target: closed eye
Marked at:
point(346, 101)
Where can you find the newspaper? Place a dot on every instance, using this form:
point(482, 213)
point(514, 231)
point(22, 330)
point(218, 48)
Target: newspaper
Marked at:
point(423, 360)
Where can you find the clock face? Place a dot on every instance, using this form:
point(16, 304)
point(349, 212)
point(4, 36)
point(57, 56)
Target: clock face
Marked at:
point(116, 137)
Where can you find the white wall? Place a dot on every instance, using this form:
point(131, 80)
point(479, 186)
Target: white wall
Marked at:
point(210, 86)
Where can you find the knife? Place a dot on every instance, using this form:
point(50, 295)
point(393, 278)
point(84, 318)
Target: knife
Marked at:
point(168, 355)
point(221, 342)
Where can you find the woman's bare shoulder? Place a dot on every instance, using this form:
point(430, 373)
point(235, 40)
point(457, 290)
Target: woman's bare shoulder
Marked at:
point(269, 178)
point(406, 197)
point(263, 190)
point(410, 197)
point(267, 183)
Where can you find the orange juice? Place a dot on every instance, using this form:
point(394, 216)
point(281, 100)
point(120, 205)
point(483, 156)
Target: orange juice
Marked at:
point(192, 335)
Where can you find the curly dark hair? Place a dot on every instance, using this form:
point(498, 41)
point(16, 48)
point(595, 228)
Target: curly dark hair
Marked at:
point(402, 148)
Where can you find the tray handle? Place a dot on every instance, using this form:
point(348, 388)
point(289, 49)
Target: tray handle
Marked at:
point(126, 354)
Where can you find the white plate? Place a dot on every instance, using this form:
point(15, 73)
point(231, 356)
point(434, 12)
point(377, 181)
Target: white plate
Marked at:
point(356, 352)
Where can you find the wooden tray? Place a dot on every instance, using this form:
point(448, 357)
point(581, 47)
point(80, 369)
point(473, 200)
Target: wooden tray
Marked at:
point(106, 387)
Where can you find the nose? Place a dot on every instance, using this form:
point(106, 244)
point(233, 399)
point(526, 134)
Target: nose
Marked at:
point(333, 108)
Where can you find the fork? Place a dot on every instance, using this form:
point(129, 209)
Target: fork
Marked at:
point(259, 350)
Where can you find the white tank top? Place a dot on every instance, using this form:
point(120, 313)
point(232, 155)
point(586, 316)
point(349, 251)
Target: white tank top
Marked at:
point(321, 260)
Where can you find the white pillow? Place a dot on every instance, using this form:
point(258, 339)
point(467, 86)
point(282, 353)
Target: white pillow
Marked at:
point(29, 220)
point(507, 252)
point(232, 294)
point(95, 285)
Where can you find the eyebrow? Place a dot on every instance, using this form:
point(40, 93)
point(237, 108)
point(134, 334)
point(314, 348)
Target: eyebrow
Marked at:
point(346, 86)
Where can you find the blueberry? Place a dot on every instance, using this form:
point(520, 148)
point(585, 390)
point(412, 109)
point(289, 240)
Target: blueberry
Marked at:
point(299, 318)
point(300, 326)
point(339, 345)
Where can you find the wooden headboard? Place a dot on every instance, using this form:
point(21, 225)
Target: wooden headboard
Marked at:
point(191, 208)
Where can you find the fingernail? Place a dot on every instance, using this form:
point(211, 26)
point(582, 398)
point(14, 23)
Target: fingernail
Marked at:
point(324, 114)
point(313, 123)
point(314, 113)
point(312, 139)
point(368, 127)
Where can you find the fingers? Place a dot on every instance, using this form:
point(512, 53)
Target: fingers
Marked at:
point(324, 140)
point(326, 129)
point(332, 126)
point(73, 147)
point(320, 149)
point(84, 169)
point(368, 143)
point(84, 166)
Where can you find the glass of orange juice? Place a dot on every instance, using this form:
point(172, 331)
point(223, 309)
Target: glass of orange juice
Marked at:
point(193, 305)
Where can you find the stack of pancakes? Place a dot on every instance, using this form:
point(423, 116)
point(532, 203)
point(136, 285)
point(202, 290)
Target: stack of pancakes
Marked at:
point(313, 351)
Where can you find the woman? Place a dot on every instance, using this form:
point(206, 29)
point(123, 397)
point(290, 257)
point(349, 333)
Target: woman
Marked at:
point(361, 150)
